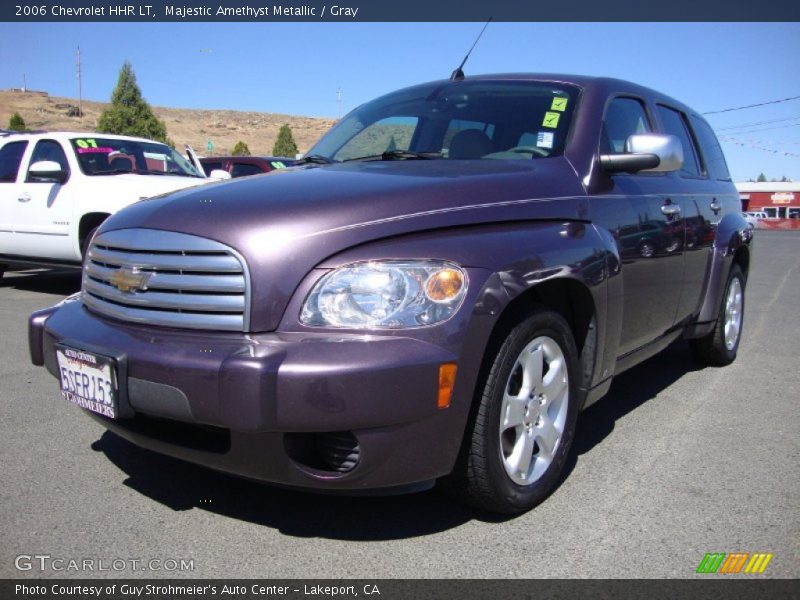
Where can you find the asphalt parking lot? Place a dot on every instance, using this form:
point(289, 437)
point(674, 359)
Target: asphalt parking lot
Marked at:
point(677, 461)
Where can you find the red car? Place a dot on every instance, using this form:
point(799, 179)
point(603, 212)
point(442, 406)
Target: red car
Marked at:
point(242, 166)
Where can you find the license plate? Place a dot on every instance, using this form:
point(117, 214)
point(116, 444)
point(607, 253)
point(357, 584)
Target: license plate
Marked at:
point(88, 380)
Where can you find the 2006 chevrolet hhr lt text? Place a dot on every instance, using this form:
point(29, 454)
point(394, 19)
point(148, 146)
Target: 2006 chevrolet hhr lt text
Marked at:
point(450, 275)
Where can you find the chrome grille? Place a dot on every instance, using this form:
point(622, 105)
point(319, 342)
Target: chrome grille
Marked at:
point(167, 278)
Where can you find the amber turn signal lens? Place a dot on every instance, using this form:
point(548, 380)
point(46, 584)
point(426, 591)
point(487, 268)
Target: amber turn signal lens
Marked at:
point(447, 379)
point(444, 285)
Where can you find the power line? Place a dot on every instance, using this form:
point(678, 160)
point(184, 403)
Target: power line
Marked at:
point(724, 110)
point(773, 143)
point(738, 142)
point(766, 129)
point(744, 125)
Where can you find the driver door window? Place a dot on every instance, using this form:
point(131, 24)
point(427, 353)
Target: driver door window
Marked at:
point(624, 117)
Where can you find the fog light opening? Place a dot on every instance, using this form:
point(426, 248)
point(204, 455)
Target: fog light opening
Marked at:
point(335, 452)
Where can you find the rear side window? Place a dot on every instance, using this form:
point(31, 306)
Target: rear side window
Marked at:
point(211, 166)
point(674, 124)
point(10, 158)
point(624, 117)
point(710, 149)
point(245, 169)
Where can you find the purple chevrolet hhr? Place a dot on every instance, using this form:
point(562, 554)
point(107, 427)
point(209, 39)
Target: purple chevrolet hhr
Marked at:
point(450, 275)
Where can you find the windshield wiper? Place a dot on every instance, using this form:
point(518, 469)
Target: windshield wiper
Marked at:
point(316, 159)
point(114, 172)
point(399, 155)
point(176, 173)
point(126, 171)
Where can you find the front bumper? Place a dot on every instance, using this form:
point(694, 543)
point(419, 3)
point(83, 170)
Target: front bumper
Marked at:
point(258, 405)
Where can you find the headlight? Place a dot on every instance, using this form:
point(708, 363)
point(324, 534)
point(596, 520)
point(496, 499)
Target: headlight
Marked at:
point(386, 295)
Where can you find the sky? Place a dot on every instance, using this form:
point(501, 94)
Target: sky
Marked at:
point(297, 68)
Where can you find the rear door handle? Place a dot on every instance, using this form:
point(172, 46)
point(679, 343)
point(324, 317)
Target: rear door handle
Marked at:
point(671, 209)
point(25, 197)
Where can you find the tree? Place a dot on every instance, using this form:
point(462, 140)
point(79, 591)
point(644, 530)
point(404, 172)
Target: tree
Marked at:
point(16, 122)
point(761, 177)
point(284, 145)
point(129, 113)
point(240, 149)
point(785, 179)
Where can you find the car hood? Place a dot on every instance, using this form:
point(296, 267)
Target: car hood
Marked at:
point(288, 221)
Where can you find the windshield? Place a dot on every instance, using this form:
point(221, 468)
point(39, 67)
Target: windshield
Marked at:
point(105, 156)
point(458, 120)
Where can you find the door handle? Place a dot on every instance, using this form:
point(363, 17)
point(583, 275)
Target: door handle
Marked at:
point(671, 209)
point(26, 197)
point(715, 206)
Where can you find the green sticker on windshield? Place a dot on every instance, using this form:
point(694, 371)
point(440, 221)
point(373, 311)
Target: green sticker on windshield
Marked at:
point(86, 143)
point(278, 164)
point(559, 104)
point(551, 119)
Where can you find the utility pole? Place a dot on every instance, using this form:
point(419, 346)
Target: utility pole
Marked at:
point(339, 103)
point(24, 83)
point(80, 83)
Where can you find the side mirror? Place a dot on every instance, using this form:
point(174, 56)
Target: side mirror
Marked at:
point(651, 152)
point(219, 174)
point(47, 171)
point(668, 148)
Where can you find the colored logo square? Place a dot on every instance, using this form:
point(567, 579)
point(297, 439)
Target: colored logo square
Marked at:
point(551, 119)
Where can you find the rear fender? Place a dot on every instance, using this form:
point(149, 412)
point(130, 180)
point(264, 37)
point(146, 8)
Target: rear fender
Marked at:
point(733, 233)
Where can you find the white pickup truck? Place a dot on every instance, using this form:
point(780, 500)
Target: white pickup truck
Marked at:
point(56, 188)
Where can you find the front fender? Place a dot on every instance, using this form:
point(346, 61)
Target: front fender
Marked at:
point(510, 259)
point(504, 262)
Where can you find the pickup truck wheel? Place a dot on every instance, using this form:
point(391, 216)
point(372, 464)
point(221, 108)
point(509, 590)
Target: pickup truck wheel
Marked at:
point(525, 422)
point(86, 241)
point(720, 346)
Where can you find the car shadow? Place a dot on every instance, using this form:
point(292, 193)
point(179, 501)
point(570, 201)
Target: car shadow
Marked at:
point(628, 392)
point(183, 486)
point(61, 282)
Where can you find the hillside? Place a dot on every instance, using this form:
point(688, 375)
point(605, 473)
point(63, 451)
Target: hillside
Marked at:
point(184, 126)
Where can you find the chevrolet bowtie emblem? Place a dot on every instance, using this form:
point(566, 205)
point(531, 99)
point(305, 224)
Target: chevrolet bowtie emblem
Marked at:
point(127, 279)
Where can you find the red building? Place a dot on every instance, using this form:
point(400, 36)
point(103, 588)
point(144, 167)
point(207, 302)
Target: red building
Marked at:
point(779, 200)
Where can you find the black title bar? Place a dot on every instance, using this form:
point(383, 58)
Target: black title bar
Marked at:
point(718, 588)
point(396, 10)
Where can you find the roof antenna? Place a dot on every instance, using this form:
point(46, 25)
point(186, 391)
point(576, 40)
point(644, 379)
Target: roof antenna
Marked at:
point(458, 74)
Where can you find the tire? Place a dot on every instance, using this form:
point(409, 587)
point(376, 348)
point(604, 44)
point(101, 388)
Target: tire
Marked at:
point(86, 241)
point(647, 249)
point(719, 347)
point(521, 434)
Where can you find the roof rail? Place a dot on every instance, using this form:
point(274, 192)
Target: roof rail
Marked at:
point(7, 132)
